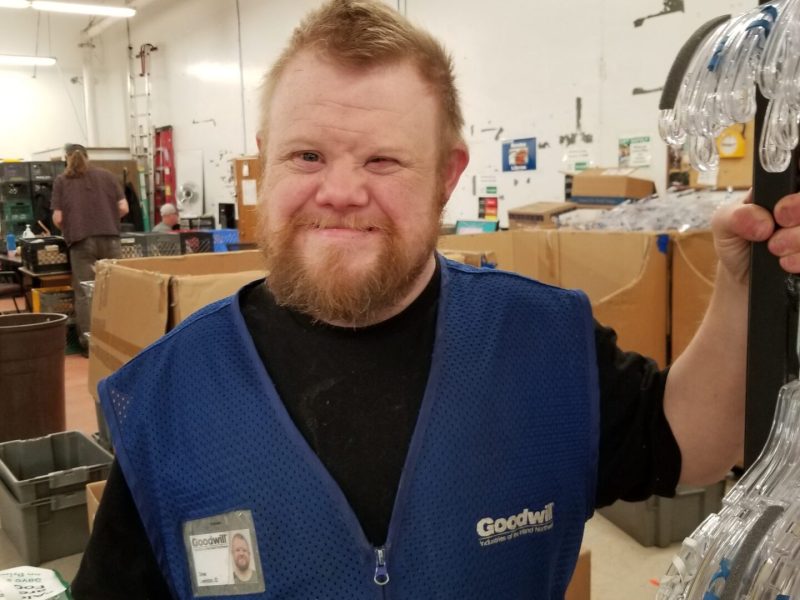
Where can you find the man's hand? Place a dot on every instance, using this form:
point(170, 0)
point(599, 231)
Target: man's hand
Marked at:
point(736, 225)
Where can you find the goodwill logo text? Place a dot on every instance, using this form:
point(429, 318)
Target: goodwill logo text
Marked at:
point(495, 531)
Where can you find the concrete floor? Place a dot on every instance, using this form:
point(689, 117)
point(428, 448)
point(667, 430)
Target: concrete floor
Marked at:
point(621, 568)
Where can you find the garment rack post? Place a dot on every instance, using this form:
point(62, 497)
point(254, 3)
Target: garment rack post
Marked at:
point(772, 322)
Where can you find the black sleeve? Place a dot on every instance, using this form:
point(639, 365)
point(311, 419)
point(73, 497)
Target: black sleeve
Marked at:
point(119, 563)
point(639, 456)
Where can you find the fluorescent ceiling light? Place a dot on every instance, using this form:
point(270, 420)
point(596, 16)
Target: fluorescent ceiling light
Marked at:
point(83, 9)
point(14, 3)
point(16, 60)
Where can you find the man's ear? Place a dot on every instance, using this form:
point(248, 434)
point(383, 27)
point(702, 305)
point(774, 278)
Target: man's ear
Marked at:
point(457, 160)
point(259, 143)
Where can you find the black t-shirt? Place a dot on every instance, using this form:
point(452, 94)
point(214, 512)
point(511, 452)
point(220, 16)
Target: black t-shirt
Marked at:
point(354, 394)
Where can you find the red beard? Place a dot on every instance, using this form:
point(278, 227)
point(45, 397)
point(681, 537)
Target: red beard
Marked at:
point(327, 288)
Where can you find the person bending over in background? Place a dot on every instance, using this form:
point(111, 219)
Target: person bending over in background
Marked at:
point(169, 219)
point(361, 412)
point(88, 203)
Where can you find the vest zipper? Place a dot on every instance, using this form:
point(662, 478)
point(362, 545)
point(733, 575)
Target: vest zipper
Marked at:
point(381, 572)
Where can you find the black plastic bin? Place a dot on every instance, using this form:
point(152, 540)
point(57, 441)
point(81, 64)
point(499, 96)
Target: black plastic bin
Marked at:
point(32, 375)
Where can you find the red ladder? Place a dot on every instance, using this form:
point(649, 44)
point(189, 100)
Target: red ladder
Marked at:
point(163, 171)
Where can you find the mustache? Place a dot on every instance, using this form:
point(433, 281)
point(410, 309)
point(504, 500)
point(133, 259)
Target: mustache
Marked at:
point(354, 222)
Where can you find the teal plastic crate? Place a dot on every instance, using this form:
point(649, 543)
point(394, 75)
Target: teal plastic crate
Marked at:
point(18, 211)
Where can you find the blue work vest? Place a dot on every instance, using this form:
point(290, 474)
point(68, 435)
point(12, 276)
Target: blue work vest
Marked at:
point(497, 484)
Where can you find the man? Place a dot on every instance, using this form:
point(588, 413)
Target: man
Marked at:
point(169, 219)
point(240, 551)
point(88, 204)
point(399, 437)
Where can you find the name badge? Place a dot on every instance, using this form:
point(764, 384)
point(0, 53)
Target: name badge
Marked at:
point(223, 557)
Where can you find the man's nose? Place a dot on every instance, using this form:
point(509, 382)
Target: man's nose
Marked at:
point(342, 186)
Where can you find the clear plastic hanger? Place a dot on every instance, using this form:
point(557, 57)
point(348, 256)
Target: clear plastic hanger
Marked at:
point(760, 46)
point(750, 550)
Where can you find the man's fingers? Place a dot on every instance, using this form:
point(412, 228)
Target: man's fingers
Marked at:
point(787, 211)
point(747, 221)
point(786, 245)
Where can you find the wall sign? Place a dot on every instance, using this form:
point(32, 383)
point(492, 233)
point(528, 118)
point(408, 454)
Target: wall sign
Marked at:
point(635, 151)
point(519, 155)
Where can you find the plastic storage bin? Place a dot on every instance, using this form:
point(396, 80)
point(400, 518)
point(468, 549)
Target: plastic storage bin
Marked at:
point(45, 254)
point(18, 211)
point(58, 299)
point(197, 223)
point(183, 242)
point(133, 245)
point(223, 237)
point(45, 529)
point(54, 464)
point(664, 521)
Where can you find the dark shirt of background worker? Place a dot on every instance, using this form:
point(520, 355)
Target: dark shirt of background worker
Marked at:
point(88, 203)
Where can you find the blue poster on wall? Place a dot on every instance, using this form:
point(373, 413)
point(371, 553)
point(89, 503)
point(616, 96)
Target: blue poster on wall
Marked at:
point(519, 155)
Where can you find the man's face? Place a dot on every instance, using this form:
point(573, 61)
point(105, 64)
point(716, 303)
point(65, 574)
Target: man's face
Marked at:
point(171, 219)
point(241, 554)
point(352, 193)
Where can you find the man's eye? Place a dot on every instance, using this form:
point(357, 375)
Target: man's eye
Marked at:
point(382, 164)
point(309, 156)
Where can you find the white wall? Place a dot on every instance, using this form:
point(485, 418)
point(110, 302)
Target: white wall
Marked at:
point(196, 82)
point(47, 110)
point(520, 66)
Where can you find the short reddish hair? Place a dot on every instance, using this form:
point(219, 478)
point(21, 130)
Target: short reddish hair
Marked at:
point(366, 33)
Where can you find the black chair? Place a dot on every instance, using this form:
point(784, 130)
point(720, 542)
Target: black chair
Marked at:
point(11, 287)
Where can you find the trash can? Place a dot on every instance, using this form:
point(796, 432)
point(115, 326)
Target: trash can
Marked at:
point(32, 375)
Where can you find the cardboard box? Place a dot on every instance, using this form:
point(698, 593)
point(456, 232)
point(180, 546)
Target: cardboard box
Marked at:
point(500, 244)
point(543, 215)
point(625, 275)
point(475, 259)
point(580, 586)
point(538, 214)
point(138, 300)
point(94, 493)
point(694, 266)
point(609, 186)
